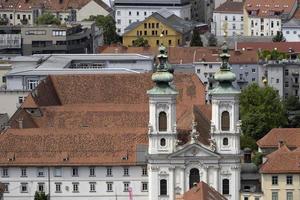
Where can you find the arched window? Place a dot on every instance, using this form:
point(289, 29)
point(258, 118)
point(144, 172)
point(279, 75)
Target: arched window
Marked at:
point(162, 124)
point(163, 187)
point(225, 123)
point(225, 141)
point(163, 142)
point(225, 185)
point(194, 177)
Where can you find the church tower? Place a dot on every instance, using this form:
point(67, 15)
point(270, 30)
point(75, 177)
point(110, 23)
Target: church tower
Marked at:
point(162, 130)
point(225, 126)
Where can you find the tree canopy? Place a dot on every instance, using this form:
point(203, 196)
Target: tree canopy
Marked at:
point(108, 24)
point(196, 40)
point(141, 42)
point(40, 196)
point(278, 37)
point(212, 40)
point(47, 18)
point(261, 110)
point(292, 105)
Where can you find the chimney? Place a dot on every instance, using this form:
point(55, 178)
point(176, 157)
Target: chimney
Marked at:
point(280, 144)
point(247, 155)
point(20, 122)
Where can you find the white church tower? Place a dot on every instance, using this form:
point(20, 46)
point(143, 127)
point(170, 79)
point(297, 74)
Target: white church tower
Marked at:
point(174, 167)
point(162, 129)
point(225, 126)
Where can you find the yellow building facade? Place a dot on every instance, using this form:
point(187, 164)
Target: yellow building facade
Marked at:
point(281, 186)
point(155, 32)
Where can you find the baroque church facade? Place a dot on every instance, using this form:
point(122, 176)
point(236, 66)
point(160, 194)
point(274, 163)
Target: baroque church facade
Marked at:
point(74, 137)
point(173, 168)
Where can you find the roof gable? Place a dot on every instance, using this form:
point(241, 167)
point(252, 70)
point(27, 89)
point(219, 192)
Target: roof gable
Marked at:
point(194, 150)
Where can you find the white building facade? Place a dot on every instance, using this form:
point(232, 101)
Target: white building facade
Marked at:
point(291, 30)
point(128, 12)
point(228, 19)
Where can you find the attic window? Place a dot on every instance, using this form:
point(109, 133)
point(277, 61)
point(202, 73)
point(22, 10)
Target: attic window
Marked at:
point(162, 121)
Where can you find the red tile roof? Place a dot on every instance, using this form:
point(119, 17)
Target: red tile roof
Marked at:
point(289, 136)
point(86, 116)
point(280, 46)
point(282, 160)
point(188, 55)
point(230, 7)
point(203, 192)
point(266, 8)
point(55, 5)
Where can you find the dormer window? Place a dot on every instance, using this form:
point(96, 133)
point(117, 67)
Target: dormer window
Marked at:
point(225, 123)
point(162, 121)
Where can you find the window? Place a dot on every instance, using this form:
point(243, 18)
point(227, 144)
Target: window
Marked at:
point(157, 25)
point(4, 172)
point(253, 79)
point(287, 32)
point(108, 171)
point(23, 172)
point(162, 124)
point(31, 84)
point(170, 42)
point(92, 171)
point(145, 32)
point(6, 187)
point(40, 172)
point(118, 12)
point(92, 187)
point(225, 141)
point(277, 23)
point(226, 18)
point(41, 187)
point(274, 180)
point(144, 186)
point(289, 180)
point(18, 16)
point(144, 171)
point(153, 25)
point(118, 21)
point(129, 13)
point(246, 198)
point(286, 72)
point(129, 21)
point(289, 195)
point(74, 171)
point(145, 13)
point(253, 70)
point(57, 172)
point(198, 71)
point(242, 18)
point(59, 33)
point(126, 171)
point(163, 142)
point(163, 187)
point(233, 18)
point(126, 186)
point(137, 13)
point(145, 25)
point(75, 187)
point(57, 187)
point(274, 195)
point(233, 26)
point(225, 121)
point(10, 16)
point(277, 80)
point(256, 198)
point(225, 186)
point(24, 188)
point(295, 32)
point(157, 42)
point(21, 99)
point(109, 186)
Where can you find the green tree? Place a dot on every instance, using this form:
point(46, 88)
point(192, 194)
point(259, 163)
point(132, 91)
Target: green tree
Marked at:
point(292, 105)
point(247, 141)
point(278, 37)
point(141, 42)
point(47, 18)
point(196, 40)
point(257, 158)
point(40, 196)
point(212, 40)
point(261, 110)
point(108, 24)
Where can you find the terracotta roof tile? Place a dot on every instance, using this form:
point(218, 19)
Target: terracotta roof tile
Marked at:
point(282, 160)
point(267, 7)
point(55, 5)
point(92, 109)
point(289, 136)
point(203, 192)
point(230, 7)
point(280, 46)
